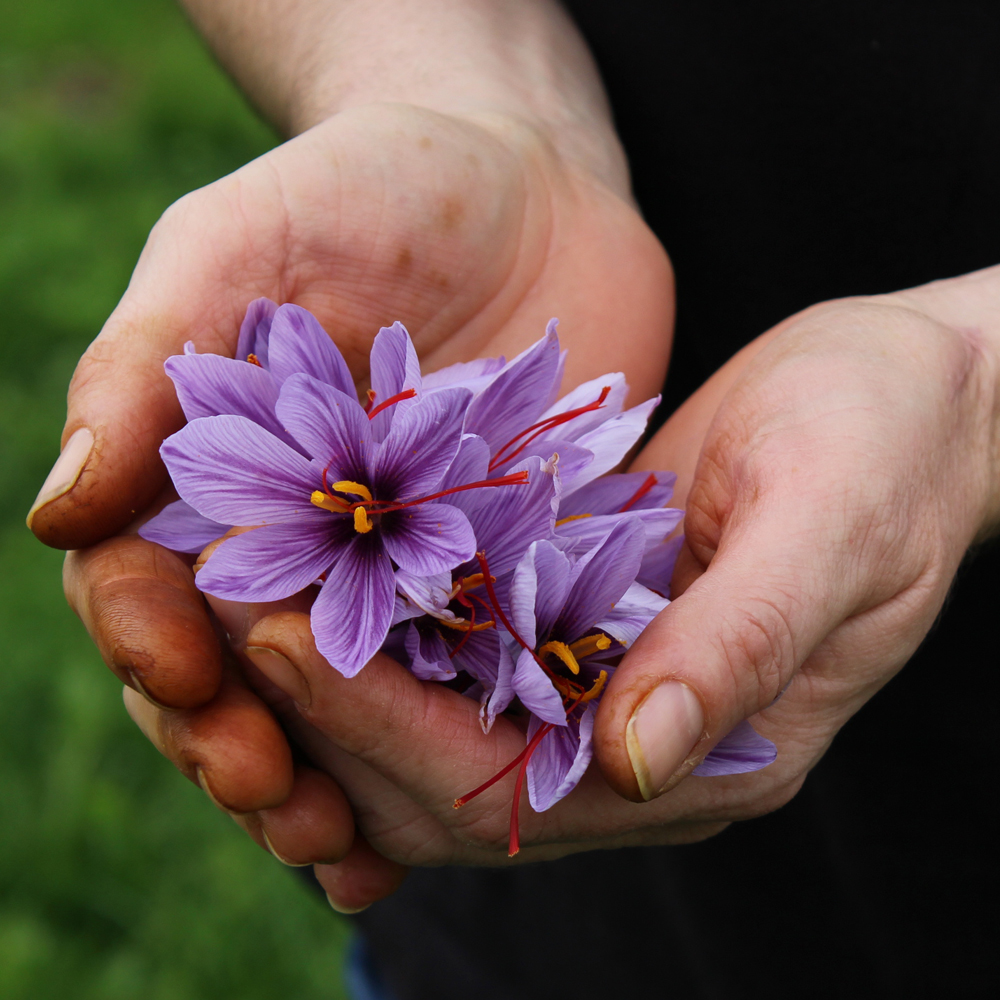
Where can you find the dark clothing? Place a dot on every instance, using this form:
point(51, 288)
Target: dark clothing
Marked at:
point(785, 153)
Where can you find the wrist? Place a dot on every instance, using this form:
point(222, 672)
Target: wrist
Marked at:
point(969, 306)
point(520, 61)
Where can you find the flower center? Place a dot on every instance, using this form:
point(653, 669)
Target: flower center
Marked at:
point(362, 510)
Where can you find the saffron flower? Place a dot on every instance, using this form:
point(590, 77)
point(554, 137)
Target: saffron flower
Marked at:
point(572, 622)
point(345, 519)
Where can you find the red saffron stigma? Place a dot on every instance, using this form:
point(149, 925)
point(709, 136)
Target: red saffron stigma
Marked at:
point(648, 483)
point(515, 835)
point(535, 430)
point(469, 796)
point(386, 506)
point(371, 399)
point(391, 401)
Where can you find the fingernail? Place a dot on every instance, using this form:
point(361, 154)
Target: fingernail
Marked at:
point(345, 909)
point(284, 861)
point(661, 734)
point(65, 472)
point(281, 671)
point(207, 789)
point(138, 685)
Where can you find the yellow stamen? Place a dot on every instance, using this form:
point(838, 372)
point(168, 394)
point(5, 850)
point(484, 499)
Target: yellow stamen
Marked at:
point(572, 517)
point(361, 522)
point(463, 626)
point(346, 486)
point(327, 502)
point(590, 644)
point(597, 688)
point(563, 652)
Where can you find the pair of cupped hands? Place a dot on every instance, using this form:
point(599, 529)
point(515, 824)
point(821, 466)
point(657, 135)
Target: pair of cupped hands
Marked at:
point(834, 472)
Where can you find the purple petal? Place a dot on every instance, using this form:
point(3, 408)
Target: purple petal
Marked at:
point(429, 538)
point(351, 616)
point(584, 395)
point(538, 591)
point(428, 654)
point(740, 751)
point(330, 425)
point(513, 516)
point(560, 760)
point(658, 563)
point(474, 375)
point(610, 493)
point(497, 693)
point(394, 369)
point(611, 442)
point(299, 344)
point(516, 398)
point(255, 329)
point(181, 528)
point(209, 385)
point(235, 472)
point(600, 579)
point(637, 608)
point(423, 442)
point(657, 523)
point(470, 465)
point(535, 690)
point(431, 595)
point(273, 562)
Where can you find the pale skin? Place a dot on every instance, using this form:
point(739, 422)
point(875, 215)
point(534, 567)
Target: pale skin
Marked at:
point(834, 472)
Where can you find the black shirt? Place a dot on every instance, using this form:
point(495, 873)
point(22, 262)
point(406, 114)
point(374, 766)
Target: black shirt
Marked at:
point(785, 152)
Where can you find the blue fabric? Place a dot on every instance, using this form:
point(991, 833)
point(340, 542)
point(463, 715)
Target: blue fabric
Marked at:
point(361, 976)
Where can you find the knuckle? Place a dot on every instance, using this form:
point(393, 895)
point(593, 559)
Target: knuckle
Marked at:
point(759, 647)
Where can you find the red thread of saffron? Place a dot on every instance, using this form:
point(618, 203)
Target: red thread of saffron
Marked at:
point(535, 430)
point(648, 483)
point(391, 401)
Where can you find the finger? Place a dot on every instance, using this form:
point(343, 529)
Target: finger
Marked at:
point(232, 747)
point(403, 728)
point(140, 605)
point(362, 878)
point(313, 825)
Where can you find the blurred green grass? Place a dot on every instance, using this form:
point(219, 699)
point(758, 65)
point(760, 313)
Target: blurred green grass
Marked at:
point(117, 880)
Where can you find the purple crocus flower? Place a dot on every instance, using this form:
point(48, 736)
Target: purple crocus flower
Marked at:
point(275, 343)
point(572, 622)
point(346, 516)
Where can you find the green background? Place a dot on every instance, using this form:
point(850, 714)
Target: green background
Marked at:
point(117, 878)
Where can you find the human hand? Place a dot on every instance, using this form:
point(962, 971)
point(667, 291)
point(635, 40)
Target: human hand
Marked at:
point(472, 227)
point(847, 468)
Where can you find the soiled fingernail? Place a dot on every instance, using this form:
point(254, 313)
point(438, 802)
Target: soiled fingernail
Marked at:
point(345, 909)
point(284, 861)
point(661, 734)
point(281, 671)
point(65, 472)
point(207, 789)
point(138, 685)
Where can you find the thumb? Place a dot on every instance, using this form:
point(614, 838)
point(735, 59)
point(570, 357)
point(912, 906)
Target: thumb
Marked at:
point(721, 652)
point(121, 404)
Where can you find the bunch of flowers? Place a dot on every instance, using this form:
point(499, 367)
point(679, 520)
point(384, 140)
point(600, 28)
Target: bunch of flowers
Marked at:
point(466, 522)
